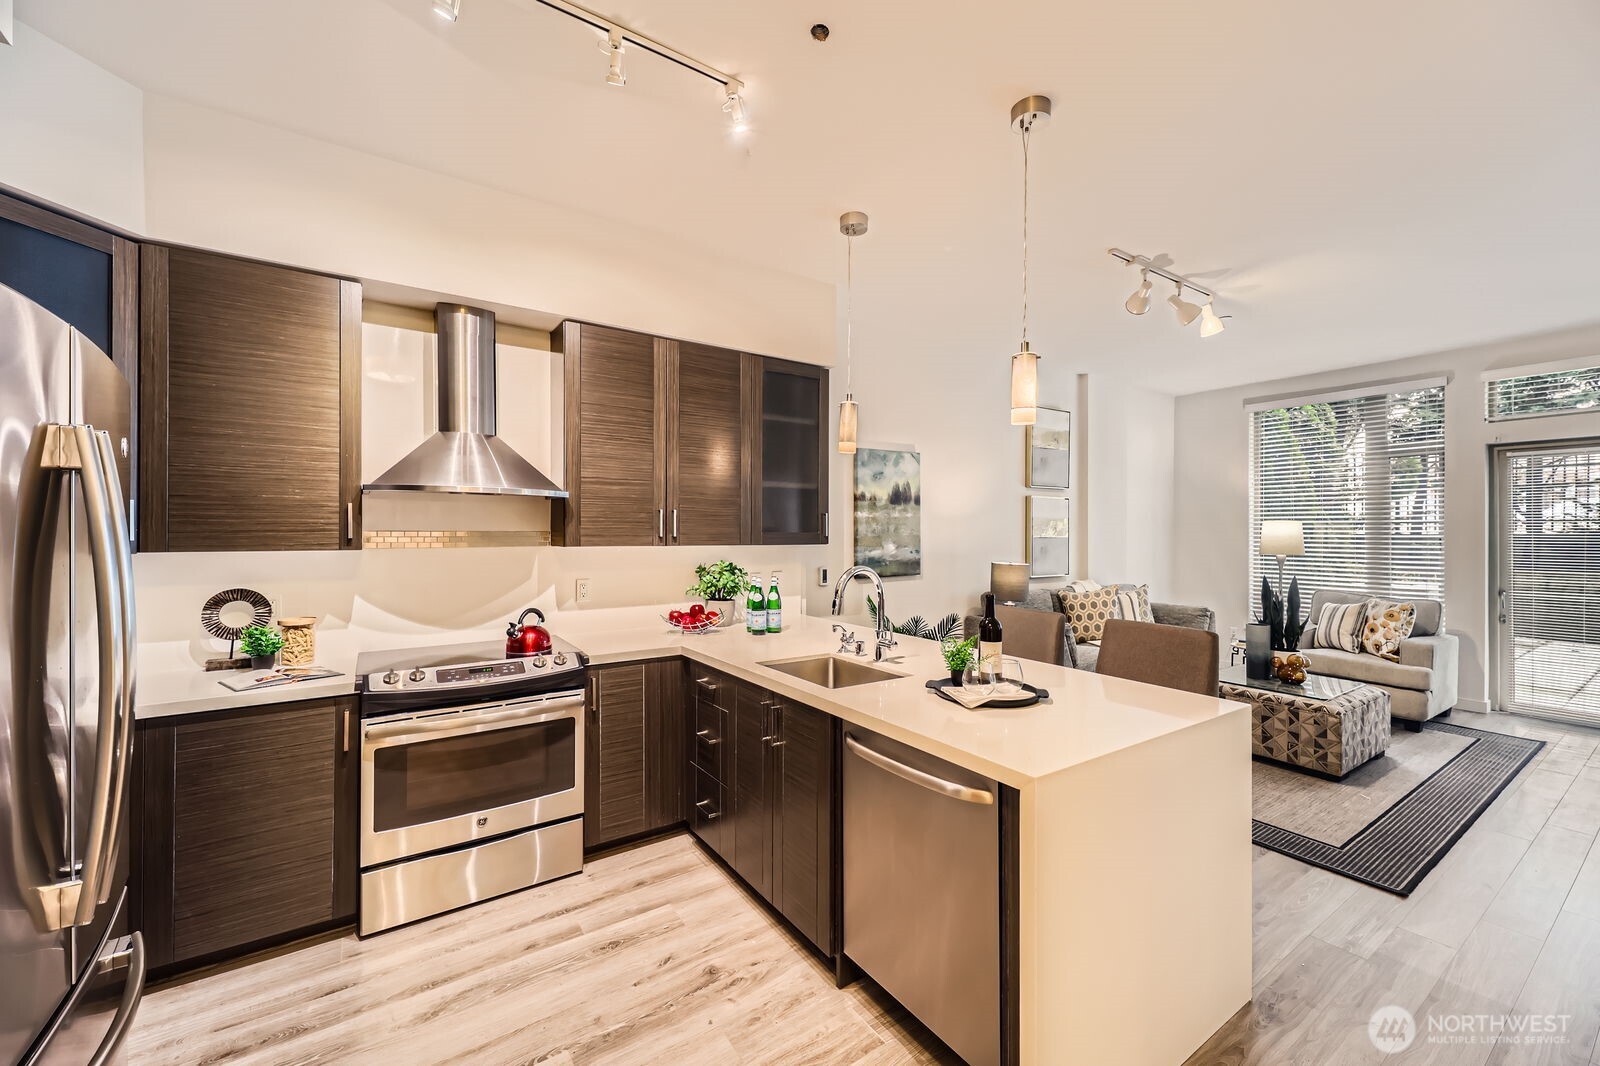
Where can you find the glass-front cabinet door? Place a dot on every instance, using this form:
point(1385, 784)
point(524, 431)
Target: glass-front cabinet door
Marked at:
point(793, 482)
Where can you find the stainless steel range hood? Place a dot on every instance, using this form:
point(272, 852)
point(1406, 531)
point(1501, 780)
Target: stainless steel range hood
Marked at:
point(465, 455)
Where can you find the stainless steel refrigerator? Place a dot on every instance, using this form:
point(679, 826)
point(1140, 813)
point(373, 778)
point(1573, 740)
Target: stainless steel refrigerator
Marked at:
point(71, 975)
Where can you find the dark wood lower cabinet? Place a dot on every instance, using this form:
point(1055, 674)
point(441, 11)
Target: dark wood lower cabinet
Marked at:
point(772, 817)
point(634, 759)
point(244, 830)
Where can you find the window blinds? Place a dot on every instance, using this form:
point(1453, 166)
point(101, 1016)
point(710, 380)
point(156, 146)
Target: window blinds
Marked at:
point(1549, 503)
point(1553, 392)
point(1365, 476)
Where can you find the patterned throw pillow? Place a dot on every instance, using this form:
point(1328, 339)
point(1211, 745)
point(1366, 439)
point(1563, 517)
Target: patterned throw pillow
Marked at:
point(1088, 612)
point(1386, 626)
point(1339, 626)
point(1134, 604)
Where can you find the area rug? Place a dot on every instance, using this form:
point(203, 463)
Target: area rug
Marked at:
point(1389, 822)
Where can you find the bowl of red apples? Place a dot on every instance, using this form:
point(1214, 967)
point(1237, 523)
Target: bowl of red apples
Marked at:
point(695, 618)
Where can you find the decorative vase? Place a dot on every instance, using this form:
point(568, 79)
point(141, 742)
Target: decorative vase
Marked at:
point(263, 662)
point(724, 609)
point(1258, 650)
point(955, 678)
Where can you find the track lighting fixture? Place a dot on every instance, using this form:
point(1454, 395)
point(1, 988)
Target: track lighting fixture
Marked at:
point(733, 104)
point(449, 10)
point(1187, 312)
point(1026, 114)
point(613, 47)
point(1139, 302)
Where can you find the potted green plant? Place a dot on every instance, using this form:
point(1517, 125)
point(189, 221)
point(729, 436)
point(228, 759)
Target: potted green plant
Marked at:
point(958, 655)
point(262, 644)
point(720, 585)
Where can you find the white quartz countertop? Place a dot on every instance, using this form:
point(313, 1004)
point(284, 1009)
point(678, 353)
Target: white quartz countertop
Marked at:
point(1086, 717)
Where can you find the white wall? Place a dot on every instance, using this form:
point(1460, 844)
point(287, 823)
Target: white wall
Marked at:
point(70, 132)
point(1211, 549)
point(1129, 514)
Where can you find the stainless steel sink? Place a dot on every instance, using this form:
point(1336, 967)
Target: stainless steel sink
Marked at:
point(831, 671)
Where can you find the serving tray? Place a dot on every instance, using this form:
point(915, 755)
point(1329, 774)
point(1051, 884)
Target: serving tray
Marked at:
point(1027, 699)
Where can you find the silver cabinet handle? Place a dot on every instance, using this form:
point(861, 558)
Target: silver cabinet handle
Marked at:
point(964, 793)
point(705, 685)
point(704, 807)
point(661, 523)
point(349, 523)
point(132, 993)
point(766, 722)
point(777, 725)
point(674, 523)
point(705, 735)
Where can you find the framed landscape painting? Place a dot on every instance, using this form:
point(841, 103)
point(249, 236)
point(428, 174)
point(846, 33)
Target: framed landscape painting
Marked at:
point(888, 511)
point(1049, 448)
point(1049, 540)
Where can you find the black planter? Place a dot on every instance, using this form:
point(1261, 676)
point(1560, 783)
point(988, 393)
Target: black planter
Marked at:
point(264, 662)
point(955, 678)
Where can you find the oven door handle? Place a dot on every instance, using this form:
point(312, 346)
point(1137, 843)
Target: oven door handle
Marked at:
point(384, 734)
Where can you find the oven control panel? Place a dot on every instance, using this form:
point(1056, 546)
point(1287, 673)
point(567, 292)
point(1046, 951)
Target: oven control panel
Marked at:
point(483, 672)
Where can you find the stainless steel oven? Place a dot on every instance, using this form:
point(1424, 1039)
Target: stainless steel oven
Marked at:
point(468, 801)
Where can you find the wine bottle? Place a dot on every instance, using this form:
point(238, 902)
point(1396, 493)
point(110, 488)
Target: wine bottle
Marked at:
point(989, 636)
point(774, 608)
point(755, 609)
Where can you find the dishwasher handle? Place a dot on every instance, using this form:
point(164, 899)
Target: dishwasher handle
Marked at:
point(964, 793)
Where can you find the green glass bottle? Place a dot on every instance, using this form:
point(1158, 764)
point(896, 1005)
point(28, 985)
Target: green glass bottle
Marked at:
point(774, 608)
point(755, 609)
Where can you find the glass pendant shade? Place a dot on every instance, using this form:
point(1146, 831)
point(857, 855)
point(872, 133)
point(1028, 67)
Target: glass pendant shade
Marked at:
point(1024, 387)
point(847, 426)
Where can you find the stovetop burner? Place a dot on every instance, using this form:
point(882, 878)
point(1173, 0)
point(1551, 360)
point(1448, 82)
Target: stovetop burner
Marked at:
point(404, 678)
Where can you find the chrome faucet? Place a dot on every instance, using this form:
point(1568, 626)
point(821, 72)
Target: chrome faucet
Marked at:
point(848, 644)
point(885, 635)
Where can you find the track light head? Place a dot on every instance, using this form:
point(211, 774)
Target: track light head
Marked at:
point(613, 47)
point(1210, 324)
point(449, 10)
point(1187, 312)
point(1139, 302)
point(733, 106)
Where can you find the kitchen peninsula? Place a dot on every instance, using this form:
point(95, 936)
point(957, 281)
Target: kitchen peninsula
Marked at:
point(1127, 808)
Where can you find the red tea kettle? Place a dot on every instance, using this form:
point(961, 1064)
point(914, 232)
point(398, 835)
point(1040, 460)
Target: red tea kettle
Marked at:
point(525, 639)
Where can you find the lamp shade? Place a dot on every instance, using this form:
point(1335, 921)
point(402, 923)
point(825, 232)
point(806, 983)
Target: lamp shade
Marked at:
point(1008, 582)
point(1024, 387)
point(1280, 537)
point(847, 426)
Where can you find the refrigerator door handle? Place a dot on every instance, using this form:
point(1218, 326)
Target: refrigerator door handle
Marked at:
point(76, 448)
point(122, 552)
point(133, 957)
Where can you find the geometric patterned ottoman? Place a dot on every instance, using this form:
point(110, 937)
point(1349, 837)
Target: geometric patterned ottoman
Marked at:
point(1326, 726)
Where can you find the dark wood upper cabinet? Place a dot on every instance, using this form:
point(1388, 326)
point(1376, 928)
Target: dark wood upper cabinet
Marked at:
point(708, 483)
point(251, 384)
point(635, 763)
point(244, 831)
point(616, 447)
point(674, 442)
point(789, 448)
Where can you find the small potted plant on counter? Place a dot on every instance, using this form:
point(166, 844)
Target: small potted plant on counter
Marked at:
point(958, 655)
point(262, 644)
point(719, 584)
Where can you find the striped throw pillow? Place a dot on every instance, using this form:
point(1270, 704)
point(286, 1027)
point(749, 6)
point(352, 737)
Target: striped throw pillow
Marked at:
point(1133, 604)
point(1339, 626)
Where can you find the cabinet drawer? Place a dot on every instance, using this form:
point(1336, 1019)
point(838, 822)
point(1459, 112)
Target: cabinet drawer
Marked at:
point(711, 740)
point(707, 812)
point(710, 687)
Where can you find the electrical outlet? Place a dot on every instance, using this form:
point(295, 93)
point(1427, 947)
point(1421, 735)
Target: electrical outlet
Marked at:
point(822, 577)
point(583, 590)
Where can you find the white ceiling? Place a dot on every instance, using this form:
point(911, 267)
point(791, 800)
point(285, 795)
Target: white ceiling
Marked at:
point(1359, 181)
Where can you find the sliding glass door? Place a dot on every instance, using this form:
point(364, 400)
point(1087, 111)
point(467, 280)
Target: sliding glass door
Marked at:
point(1547, 577)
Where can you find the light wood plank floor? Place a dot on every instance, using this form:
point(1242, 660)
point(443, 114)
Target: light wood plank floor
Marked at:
point(654, 955)
point(1508, 922)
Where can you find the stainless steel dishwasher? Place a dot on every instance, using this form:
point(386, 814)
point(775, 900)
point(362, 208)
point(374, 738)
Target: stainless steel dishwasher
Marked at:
point(922, 888)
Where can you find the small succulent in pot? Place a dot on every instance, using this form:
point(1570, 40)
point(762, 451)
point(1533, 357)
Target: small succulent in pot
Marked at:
point(262, 644)
point(958, 655)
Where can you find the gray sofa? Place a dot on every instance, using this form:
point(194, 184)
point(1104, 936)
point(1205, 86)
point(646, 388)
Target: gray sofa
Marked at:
point(1084, 656)
point(1422, 685)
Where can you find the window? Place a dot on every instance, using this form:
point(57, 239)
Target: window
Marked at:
point(1555, 392)
point(1364, 474)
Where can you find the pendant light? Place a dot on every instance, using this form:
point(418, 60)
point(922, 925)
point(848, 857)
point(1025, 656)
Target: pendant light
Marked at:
point(852, 224)
point(1027, 113)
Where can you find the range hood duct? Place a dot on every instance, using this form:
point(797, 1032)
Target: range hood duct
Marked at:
point(465, 455)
